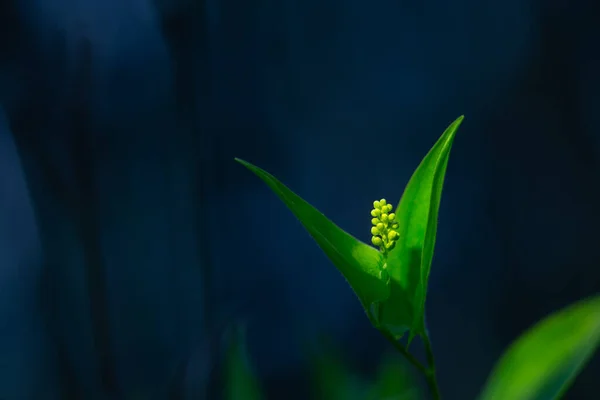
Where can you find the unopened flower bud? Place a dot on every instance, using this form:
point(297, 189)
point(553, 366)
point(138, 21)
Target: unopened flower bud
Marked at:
point(384, 226)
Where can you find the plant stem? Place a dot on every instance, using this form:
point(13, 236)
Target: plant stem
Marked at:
point(430, 375)
point(428, 372)
point(402, 350)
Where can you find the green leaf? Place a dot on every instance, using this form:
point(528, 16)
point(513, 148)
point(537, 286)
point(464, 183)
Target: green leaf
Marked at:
point(333, 380)
point(543, 362)
point(358, 262)
point(410, 261)
point(240, 382)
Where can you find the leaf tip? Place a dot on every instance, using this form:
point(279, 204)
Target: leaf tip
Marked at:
point(450, 132)
point(244, 163)
point(457, 122)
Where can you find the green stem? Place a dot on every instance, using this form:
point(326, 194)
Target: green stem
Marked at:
point(402, 350)
point(431, 376)
point(428, 372)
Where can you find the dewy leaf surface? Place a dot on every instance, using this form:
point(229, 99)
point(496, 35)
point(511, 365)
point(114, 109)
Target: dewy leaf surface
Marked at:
point(410, 262)
point(358, 262)
point(542, 363)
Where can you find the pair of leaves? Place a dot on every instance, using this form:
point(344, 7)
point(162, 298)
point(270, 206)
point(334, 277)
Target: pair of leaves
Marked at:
point(394, 297)
point(409, 263)
point(539, 365)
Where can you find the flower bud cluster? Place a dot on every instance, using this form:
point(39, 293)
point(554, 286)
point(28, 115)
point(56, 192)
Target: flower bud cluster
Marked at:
point(384, 227)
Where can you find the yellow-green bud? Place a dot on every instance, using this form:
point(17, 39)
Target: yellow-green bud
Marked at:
point(384, 225)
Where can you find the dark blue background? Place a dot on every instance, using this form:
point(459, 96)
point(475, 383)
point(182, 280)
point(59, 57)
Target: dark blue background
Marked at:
point(119, 195)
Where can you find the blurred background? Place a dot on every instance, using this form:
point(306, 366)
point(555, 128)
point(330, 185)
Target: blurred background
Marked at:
point(130, 240)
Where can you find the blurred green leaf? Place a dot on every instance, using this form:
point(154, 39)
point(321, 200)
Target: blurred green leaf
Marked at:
point(358, 262)
point(410, 261)
point(395, 381)
point(333, 380)
point(240, 382)
point(542, 363)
